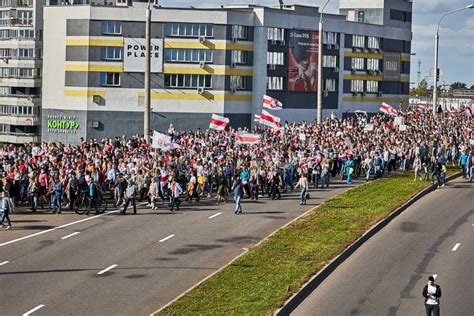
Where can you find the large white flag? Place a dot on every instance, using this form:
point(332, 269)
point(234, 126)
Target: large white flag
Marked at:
point(163, 141)
point(218, 122)
point(271, 103)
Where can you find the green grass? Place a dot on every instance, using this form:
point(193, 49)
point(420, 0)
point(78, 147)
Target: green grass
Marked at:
point(261, 280)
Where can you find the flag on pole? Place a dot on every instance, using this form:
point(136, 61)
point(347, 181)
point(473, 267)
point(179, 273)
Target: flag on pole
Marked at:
point(256, 118)
point(470, 109)
point(269, 120)
point(242, 138)
point(271, 103)
point(387, 109)
point(218, 122)
point(163, 142)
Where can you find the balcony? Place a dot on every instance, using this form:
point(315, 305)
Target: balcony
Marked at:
point(20, 82)
point(21, 120)
point(19, 138)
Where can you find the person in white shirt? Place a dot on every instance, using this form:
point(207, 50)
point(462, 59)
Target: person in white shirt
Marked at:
point(432, 293)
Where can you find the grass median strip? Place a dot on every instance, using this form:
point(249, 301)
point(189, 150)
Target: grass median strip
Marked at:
point(261, 280)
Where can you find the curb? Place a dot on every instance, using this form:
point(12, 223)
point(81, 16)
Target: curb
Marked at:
point(294, 301)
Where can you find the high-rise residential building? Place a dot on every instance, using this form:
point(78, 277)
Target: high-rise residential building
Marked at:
point(20, 70)
point(217, 60)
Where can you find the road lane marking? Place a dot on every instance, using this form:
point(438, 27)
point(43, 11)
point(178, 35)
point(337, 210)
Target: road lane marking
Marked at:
point(215, 215)
point(166, 238)
point(56, 228)
point(107, 269)
point(70, 235)
point(31, 311)
point(4, 263)
point(456, 246)
point(435, 276)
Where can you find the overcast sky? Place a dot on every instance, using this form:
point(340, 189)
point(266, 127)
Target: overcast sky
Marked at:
point(456, 35)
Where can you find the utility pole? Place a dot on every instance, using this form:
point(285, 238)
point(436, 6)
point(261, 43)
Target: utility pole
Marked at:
point(418, 74)
point(319, 109)
point(147, 107)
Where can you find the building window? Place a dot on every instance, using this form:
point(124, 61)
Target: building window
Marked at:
point(110, 79)
point(372, 64)
point(188, 29)
point(111, 53)
point(330, 38)
point(357, 86)
point(188, 55)
point(329, 61)
point(357, 63)
point(25, 53)
point(373, 42)
point(24, 17)
point(4, 17)
point(239, 57)
point(188, 81)
point(239, 32)
point(330, 85)
point(372, 86)
point(111, 27)
point(358, 41)
point(274, 83)
point(276, 34)
point(5, 52)
point(238, 82)
point(5, 3)
point(275, 58)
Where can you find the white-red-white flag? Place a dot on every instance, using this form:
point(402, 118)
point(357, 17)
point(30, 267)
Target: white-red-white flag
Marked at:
point(388, 109)
point(218, 122)
point(421, 107)
point(470, 109)
point(271, 103)
point(269, 120)
point(256, 118)
point(243, 138)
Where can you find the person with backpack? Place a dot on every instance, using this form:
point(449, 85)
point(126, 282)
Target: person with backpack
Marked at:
point(431, 293)
point(130, 195)
point(6, 205)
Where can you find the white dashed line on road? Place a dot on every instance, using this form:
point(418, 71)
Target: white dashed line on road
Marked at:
point(55, 228)
point(31, 311)
point(4, 263)
point(107, 269)
point(215, 215)
point(456, 246)
point(166, 238)
point(70, 235)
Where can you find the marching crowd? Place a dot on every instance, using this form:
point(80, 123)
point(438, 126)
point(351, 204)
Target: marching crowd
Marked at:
point(209, 164)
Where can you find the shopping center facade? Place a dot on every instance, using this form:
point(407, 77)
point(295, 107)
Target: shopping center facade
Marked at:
point(217, 60)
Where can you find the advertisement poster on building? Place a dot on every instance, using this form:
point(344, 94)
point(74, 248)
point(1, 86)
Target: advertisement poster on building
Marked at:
point(134, 55)
point(391, 67)
point(303, 61)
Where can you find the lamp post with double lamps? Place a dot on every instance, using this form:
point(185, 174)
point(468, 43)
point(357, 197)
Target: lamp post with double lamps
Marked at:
point(436, 70)
point(319, 110)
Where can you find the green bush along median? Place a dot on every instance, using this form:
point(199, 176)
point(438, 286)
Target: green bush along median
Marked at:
point(260, 281)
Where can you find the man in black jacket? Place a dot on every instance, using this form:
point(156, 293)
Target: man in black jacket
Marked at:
point(432, 293)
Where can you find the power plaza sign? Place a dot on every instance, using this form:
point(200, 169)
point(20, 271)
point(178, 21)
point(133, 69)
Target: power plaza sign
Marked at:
point(134, 55)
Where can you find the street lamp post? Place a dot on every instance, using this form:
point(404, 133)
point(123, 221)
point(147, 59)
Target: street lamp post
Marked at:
point(319, 110)
point(147, 107)
point(436, 70)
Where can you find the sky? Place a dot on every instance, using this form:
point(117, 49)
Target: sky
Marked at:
point(456, 55)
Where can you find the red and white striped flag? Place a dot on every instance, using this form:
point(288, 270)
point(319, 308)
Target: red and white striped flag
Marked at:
point(271, 103)
point(387, 109)
point(421, 107)
point(470, 109)
point(242, 138)
point(269, 120)
point(218, 122)
point(256, 118)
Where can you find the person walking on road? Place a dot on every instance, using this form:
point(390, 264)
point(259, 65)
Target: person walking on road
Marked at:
point(349, 167)
point(7, 206)
point(57, 195)
point(238, 191)
point(176, 191)
point(432, 293)
point(130, 195)
point(303, 185)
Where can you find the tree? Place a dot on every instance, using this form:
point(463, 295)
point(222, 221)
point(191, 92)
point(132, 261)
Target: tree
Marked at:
point(472, 87)
point(421, 90)
point(458, 85)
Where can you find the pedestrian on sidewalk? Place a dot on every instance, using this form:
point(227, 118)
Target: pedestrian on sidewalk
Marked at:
point(432, 293)
point(303, 185)
point(6, 205)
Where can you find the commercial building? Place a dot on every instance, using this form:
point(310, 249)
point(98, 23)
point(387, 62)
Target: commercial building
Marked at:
point(220, 60)
point(20, 70)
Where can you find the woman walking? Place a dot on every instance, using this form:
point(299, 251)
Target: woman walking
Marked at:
point(238, 191)
point(303, 185)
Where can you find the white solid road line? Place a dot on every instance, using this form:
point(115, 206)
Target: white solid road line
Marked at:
point(4, 263)
point(166, 238)
point(215, 215)
point(456, 246)
point(56, 228)
point(31, 311)
point(107, 269)
point(70, 235)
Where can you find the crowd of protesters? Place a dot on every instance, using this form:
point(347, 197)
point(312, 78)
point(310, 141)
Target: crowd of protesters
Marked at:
point(208, 164)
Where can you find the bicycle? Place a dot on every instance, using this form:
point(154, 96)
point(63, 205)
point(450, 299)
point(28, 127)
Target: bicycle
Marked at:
point(81, 205)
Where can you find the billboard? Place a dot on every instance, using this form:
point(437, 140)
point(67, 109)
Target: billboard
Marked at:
point(134, 55)
point(303, 60)
point(391, 66)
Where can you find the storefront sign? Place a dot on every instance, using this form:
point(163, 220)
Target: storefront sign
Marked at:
point(62, 124)
point(134, 55)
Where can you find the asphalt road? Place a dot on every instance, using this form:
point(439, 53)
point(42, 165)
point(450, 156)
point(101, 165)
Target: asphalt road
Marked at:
point(386, 275)
point(50, 269)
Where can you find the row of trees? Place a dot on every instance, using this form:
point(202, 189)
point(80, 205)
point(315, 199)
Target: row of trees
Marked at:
point(422, 89)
